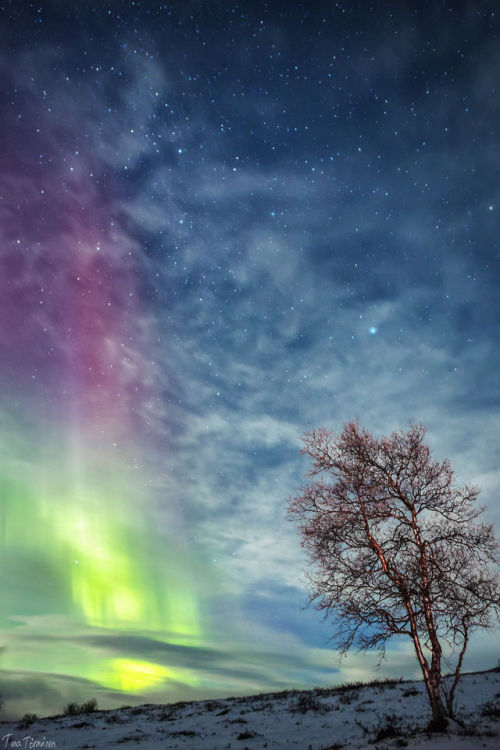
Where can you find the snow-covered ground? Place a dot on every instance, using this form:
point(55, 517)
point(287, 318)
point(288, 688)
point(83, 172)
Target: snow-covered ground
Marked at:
point(322, 719)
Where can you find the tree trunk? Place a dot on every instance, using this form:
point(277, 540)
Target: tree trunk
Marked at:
point(440, 717)
point(432, 681)
point(431, 674)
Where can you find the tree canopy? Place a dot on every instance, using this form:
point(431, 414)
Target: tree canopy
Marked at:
point(396, 548)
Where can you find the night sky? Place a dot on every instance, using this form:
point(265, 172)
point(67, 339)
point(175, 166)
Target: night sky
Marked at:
point(223, 224)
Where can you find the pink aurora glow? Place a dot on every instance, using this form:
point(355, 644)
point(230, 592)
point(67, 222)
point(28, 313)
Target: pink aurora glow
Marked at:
point(73, 329)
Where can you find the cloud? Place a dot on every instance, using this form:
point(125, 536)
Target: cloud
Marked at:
point(255, 660)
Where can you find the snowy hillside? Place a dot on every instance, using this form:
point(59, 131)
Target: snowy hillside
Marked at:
point(382, 715)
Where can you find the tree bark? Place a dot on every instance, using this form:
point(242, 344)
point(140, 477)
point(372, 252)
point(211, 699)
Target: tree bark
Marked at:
point(451, 693)
point(440, 717)
point(432, 678)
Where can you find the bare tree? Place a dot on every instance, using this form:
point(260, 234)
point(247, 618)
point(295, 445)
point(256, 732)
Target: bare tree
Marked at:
point(396, 549)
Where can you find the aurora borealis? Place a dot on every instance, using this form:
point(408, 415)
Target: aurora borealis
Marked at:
point(76, 538)
point(223, 224)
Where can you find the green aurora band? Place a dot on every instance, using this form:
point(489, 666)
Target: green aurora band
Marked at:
point(77, 545)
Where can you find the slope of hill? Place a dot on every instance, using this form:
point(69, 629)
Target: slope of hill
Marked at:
point(380, 714)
